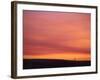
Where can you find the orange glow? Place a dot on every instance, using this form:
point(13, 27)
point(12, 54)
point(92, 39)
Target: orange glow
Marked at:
point(69, 56)
point(56, 35)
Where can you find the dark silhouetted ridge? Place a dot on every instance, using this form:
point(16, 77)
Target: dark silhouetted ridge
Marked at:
point(52, 63)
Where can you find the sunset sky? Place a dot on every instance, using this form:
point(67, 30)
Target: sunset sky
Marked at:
point(56, 35)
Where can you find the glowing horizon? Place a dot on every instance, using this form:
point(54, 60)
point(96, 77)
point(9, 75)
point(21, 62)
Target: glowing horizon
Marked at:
point(61, 56)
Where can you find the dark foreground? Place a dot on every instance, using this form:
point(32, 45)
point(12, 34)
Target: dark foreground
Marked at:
point(52, 63)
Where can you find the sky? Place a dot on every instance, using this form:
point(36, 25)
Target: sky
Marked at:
point(56, 35)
